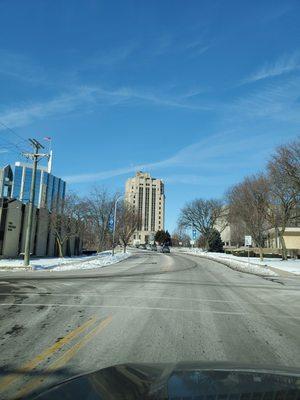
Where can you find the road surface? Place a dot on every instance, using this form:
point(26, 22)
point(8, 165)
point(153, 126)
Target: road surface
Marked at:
point(149, 308)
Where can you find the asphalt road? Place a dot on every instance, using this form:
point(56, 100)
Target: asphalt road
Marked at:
point(149, 308)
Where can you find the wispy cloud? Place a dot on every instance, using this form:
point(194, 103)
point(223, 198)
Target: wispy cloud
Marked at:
point(27, 113)
point(20, 67)
point(276, 102)
point(167, 44)
point(94, 97)
point(207, 153)
point(284, 65)
point(3, 151)
point(188, 179)
point(197, 47)
point(109, 58)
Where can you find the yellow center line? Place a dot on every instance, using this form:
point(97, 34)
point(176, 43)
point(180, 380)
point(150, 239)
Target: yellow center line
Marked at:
point(61, 361)
point(29, 366)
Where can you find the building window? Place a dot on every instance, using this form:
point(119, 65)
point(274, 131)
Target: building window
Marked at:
point(153, 208)
point(140, 207)
point(147, 209)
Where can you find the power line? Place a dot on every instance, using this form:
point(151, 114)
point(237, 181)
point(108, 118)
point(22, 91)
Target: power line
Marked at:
point(10, 143)
point(13, 131)
point(13, 146)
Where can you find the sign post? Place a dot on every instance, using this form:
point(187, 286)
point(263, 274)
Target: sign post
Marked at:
point(248, 243)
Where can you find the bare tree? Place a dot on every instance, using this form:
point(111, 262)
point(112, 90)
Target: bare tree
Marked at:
point(127, 222)
point(67, 222)
point(288, 158)
point(203, 215)
point(100, 205)
point(237, 232)
point(180, 236)
point(249, 203)
point(284, 179)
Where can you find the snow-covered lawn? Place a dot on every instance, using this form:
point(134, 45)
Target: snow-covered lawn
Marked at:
point(290, 265)
point(255, 266)
point(68, 263)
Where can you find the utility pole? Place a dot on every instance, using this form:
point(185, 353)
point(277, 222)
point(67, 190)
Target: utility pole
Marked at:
point(114, 224)
point(35, 156)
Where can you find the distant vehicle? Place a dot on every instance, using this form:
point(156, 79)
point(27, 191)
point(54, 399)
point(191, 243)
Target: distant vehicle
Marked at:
point(166, 249)
point(159, 248)
point(148, 246)
point(153, 247)
point(142, 246)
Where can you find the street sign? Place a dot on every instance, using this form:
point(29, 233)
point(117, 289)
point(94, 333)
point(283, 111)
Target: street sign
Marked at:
point(192, 242)
point(180, 243)
point(248, 240)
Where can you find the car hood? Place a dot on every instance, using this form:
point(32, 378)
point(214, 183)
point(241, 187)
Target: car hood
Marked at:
point(182, 380)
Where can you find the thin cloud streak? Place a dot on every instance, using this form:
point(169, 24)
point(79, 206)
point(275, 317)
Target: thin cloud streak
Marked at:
point(110, 58)
point(93, 97)
point(277, 102)
point(20, 67)
point(283, 65)
point(206, 152)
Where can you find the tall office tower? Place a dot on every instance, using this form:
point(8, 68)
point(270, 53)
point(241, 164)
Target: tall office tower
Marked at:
point(49, 190)
point(146, 194)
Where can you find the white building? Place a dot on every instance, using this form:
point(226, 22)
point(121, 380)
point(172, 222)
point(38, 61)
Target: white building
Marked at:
point(146, 194)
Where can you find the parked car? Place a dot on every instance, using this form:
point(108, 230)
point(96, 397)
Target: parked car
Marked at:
point(148, 246)
point(142, 246)
point(153, 247)
point(166, 249)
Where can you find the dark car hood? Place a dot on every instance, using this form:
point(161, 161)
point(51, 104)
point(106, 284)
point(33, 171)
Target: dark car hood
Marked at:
point(182, 380)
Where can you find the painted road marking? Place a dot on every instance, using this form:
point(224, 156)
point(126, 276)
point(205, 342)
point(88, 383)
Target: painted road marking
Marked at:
point(61, 361)
point(30, 365)
point(242, 313)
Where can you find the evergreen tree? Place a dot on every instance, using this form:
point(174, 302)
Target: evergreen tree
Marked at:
point(162, 237)
point(215, 243)
point(168, 240)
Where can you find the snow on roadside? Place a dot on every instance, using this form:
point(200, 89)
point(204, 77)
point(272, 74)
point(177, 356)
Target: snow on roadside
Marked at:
point(290, 265)
point(101, 261)
point(232, 262)
point(67, 263)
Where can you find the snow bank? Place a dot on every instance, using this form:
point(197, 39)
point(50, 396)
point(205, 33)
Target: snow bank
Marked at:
point(233, 263)
point(101, 261)
point(290, 265)
point(66, 264)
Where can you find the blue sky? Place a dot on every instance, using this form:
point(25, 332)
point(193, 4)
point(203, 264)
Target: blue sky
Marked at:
point(198, 93)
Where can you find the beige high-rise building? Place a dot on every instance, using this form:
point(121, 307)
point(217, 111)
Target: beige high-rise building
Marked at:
point(147, 195)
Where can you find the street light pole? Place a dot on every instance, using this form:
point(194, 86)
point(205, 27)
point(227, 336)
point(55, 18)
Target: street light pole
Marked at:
point(114, 224)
